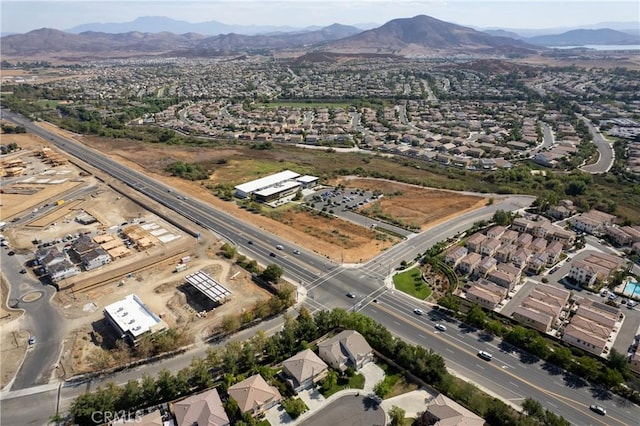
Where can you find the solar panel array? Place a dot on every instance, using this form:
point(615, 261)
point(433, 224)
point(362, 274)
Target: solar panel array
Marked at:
point(208, 286)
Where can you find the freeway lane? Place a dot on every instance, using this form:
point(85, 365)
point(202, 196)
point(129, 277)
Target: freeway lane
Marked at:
point(326, 285)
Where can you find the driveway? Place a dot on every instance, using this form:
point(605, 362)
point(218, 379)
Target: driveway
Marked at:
point(348, 410)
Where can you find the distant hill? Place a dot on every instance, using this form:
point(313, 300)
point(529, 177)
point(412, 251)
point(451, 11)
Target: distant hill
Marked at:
point(155, 24)
point(582, 37)
point(91, 45)
point(503, 33)
point(49, 41)
point(423, 35)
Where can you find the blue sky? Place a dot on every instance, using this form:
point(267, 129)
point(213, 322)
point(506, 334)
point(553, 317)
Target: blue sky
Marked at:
point(25, 15)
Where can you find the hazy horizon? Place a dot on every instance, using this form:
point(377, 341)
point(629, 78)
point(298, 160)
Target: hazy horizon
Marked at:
point(18, 16)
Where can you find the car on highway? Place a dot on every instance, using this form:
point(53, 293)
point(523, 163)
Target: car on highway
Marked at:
point(32, 340)
point(272, 254)
point(279, 247)
point(441, 327)
point(598, 409)
point(351, 295)
point(485, 355)
point(296, 252)
point(418, 311)
point(250, 242)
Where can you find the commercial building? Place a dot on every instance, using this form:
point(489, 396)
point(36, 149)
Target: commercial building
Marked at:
point(132, 319)
point(276, 186)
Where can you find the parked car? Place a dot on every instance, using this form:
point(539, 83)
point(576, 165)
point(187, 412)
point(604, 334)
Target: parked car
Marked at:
point(32, 340)
point(23, 271)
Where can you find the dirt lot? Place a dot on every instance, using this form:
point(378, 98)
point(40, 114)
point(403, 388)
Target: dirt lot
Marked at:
point(13, 341)
point(333, 238)
point(415, 205)
point(158, 286)
point(163, 290)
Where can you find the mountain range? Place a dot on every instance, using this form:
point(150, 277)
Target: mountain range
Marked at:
point(151, 24)
point(418, 36)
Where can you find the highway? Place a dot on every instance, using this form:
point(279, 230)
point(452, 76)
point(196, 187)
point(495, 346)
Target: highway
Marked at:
point(326, 284)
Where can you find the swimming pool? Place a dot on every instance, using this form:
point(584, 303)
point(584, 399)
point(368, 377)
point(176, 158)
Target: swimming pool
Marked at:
point(632, 289)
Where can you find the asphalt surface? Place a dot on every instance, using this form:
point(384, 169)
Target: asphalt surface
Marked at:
point(41, 319)
point(349, 410)
point(605, 151)
point(509, 376)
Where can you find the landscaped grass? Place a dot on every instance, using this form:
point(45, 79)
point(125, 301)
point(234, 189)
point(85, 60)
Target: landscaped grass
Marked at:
point(397, 384)
point(355, 382)
point(411, 283)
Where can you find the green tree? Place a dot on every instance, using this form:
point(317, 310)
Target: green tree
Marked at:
point(330, 381)
point(149, 388)
point(167, 385)
point(130, 397)
point(294, 407)
point(228, 250)
point(450, 301)
point(533, 408)
point(501, 217)
point(200, 375)
point(618, 361)
point(272, 273)
point(382, 388)
point(397, 415)
point(561, 356)
point(476, 316)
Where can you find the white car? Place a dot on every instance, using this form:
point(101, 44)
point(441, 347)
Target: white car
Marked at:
point(418, 311)
point(485, 355)
point(441, 327)
point(598, 409)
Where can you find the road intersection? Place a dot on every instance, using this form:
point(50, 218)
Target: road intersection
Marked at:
point(324, 285)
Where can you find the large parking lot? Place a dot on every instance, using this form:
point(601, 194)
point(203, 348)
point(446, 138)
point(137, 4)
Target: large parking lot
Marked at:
point(348, 203)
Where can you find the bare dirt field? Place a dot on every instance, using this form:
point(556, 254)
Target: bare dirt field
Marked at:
point(158, 285)
point(414, 205)
point(333, 238)
point(13, 340)
point(163, 291)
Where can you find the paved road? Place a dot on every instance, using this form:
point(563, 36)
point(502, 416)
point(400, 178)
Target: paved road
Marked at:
point(41, 319)
point(326, 284)
point(349, 410)
point(606, 154)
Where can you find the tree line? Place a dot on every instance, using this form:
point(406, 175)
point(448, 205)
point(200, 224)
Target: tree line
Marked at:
point(262, 354)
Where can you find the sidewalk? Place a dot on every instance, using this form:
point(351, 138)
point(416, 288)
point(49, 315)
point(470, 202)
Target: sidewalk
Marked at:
point(316, 402)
